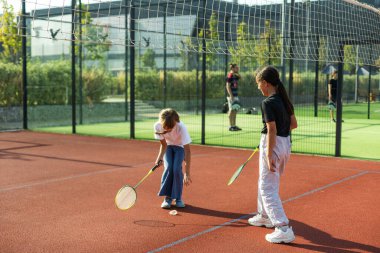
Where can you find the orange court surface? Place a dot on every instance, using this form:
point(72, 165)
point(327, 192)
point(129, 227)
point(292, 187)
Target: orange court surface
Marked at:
point(57, 195)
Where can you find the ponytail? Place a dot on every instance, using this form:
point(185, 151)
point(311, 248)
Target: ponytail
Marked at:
point(285, 98)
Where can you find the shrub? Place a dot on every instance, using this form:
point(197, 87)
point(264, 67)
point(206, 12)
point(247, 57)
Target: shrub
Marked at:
point(97, 84)
point(49, 83)
point(10, 84)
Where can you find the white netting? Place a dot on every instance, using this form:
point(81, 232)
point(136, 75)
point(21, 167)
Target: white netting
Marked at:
point(259, 29)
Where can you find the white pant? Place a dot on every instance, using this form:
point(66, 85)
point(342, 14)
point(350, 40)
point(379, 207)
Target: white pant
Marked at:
point(268, 200)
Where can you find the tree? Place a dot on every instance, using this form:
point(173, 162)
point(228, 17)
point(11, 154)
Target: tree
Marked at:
point(268, 47)
point(148, 58)
point(212, 39)
point(377, 62)
point(94, 37)
point(243, 51)
point(188, 54)
point(10, 41)
point(349, 59)
point(322, 50)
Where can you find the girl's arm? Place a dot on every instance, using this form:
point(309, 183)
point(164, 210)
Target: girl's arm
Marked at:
point(329, 90)
point(162, 150)
point(271, 143)
point(293, 122)
point(187, 178)
point(229, 91)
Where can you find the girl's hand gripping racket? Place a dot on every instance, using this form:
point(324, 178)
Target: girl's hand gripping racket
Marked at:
point(238, 171)
point(126, 196)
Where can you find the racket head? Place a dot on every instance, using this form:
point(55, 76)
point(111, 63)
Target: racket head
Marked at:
point(236, 174)
point(239, 170)
point(125, 197)
point(331, 105)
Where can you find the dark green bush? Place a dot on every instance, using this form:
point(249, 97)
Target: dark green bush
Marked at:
point(49, 83)
point(10, 84)
point(97, 84)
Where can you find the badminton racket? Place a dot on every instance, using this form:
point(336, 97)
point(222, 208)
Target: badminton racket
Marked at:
point(238, 171)
point(126, 197)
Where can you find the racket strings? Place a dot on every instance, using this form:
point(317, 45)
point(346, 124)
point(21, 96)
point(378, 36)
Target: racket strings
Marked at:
point(125, 198)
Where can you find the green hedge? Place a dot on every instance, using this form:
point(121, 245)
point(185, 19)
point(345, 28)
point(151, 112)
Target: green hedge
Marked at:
point(183, 85)
point(50, 83)
point(97, 84)
point(10, 84)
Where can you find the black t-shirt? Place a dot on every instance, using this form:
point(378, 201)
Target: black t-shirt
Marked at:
point(233, 81)
point(273, 109)
point(334, 86)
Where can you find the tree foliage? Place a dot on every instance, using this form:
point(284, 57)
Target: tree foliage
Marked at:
point(94, 36)
point(349, 57)
point(322, 51)
point(188, 54)
point(148, 58)
point(212, 39)
point(268, 46)
point(10, 41)
point(244, 48)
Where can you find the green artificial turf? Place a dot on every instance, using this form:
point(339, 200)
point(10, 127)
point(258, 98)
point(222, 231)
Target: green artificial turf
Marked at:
point(314, 135)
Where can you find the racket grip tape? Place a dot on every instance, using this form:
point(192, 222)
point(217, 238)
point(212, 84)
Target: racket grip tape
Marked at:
point(157, 165)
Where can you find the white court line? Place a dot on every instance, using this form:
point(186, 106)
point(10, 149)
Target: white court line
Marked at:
point(48, 181)
point(247, 215)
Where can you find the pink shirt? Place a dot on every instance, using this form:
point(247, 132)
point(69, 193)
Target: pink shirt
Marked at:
point(178, 136)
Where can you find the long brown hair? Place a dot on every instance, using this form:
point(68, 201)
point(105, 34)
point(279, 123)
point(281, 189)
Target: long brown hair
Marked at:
point(232, 65)
point(168, 118)
point(270, 74)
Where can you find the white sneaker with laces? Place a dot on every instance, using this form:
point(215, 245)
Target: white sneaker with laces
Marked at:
point(279, 236)
point(258, 220)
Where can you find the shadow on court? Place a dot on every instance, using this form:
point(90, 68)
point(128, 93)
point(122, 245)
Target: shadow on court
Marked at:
point(19, 154)
point(210, 212)
point(13, 156)
point(324, 242)
point(200, 211)
point(215, 213)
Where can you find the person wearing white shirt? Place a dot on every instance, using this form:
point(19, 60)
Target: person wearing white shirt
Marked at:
point(174, 149)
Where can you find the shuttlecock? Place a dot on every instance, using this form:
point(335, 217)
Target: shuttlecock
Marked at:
point(173, 212)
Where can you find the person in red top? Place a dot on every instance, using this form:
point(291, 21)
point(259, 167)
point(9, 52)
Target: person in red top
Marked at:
point(233, 99)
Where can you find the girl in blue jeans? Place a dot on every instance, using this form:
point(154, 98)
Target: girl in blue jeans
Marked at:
point(174, 149)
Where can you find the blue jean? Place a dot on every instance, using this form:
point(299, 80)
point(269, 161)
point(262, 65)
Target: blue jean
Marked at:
point(172, 177)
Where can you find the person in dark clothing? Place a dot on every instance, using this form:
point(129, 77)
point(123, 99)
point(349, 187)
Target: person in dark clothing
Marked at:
point(275, 146)
point(232, 91)
point(332, 93)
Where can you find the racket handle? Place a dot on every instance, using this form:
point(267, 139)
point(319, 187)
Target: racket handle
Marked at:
point(157, 165)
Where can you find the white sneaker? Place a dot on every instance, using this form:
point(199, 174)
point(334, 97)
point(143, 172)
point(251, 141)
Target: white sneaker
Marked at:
point(258, 220)
point(279, 236)
point(167, 203)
